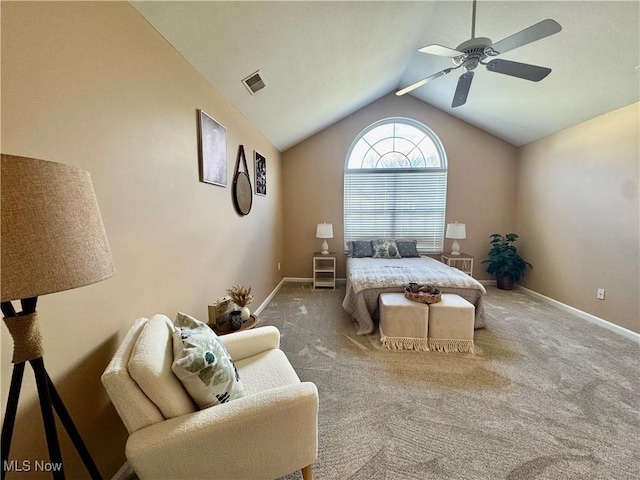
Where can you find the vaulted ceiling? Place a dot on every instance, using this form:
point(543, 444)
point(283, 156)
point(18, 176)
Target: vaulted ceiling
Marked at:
point(323, 60)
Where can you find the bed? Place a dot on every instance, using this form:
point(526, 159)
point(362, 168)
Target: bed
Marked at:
point(368, 277)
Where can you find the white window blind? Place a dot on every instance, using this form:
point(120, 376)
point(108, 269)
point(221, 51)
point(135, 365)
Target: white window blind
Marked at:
point(395, 199)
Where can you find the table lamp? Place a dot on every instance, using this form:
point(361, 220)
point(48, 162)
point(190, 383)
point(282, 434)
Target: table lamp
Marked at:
point(53, 239)
point(324, 231)
point(457, 231)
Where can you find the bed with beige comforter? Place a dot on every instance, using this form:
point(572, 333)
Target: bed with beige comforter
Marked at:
point(368, 277)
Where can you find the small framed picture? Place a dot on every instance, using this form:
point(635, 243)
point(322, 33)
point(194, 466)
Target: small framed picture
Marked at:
point(212, 150)
point(261, 174)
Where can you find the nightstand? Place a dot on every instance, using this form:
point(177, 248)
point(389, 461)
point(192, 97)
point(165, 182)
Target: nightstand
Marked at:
point(462, 262)
point(324, 270)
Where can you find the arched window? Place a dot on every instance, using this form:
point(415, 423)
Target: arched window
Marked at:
point(395, 184)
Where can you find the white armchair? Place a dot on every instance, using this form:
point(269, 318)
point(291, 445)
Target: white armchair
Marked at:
point(270, 432)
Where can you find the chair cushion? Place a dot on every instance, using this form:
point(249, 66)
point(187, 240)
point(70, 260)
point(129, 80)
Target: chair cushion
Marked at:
point(134, 407)
point(150, 366)
point(266, 370)
point(202, 363)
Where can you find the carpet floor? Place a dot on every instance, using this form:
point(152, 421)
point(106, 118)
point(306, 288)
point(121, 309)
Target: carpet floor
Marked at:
point(547, 395)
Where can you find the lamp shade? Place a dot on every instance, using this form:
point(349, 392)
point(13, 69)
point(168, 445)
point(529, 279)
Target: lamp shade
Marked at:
point(456, 231)
point(324, 230)
point(52, 237)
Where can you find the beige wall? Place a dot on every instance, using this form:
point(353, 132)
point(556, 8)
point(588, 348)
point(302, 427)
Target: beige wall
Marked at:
point(481, 182)
point(94, 85)
point(578, 215)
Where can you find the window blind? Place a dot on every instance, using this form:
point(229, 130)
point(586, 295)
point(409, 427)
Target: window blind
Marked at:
point(409, 204)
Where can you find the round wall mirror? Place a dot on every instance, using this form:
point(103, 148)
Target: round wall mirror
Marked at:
point(242, 194)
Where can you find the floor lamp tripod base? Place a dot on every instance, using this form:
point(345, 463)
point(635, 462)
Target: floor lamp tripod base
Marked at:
point(28, 348)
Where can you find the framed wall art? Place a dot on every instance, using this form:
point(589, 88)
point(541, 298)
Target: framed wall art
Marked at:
point(212, 150)
point(261, 174)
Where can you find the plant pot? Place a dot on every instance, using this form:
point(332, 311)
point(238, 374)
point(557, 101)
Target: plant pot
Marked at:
point(504, 282)
point(245, 312)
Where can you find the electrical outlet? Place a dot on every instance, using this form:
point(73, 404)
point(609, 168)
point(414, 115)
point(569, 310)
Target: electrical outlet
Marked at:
point(600, 294)
point(278, 266)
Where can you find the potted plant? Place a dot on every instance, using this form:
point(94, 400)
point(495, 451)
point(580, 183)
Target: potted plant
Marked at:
point(242, 297)
point(504, 261)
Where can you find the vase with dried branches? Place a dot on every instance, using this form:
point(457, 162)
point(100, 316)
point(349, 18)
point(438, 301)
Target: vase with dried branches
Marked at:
point(242, 297)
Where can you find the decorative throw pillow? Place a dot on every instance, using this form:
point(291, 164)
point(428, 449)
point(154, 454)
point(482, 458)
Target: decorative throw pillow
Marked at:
point(407, 248)
point(360, 249)
point(383, 248)
point(202, 363)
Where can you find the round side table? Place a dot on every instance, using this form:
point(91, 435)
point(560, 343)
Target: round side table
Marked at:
point(224, 327)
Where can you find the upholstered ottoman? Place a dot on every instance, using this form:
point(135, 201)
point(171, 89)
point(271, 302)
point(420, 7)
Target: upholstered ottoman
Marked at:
point(404, 324)
point(451, 324)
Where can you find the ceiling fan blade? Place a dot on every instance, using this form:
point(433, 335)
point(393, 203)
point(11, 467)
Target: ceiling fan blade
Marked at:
point(520, 70)
point(420, 83)
point(531, 34)
point(462, 90)
point(441, 51)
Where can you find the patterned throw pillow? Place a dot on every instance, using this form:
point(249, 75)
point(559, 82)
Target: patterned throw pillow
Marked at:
point(202, 363)
point(360, 249)
point(383, 248)
point(407, 248)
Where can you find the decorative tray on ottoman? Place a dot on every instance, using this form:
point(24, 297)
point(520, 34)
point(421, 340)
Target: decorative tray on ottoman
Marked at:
point(422, 293)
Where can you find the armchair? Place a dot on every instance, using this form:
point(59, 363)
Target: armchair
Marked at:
point(269, 432)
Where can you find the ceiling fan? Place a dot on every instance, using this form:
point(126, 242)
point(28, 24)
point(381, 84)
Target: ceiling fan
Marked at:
point(476, 50)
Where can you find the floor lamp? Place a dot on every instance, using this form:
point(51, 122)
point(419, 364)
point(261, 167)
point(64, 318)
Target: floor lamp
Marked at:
point(52, 240)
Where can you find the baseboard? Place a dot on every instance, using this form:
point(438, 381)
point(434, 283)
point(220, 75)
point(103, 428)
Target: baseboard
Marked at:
point(584, 315)
point(297, 280)
point(339, 281)
point(264, 304)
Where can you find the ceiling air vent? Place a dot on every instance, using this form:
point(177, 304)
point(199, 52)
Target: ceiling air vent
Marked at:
point(254, 82)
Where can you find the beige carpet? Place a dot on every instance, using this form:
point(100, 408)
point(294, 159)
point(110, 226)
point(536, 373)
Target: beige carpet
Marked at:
point(547, 395)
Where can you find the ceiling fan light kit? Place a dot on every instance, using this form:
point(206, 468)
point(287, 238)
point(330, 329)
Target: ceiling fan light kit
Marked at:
point(475, 51)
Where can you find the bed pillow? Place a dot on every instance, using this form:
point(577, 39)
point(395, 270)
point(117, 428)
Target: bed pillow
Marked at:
point(383, 248)
point(407, 248)
point(360, 249)
point(202, 363)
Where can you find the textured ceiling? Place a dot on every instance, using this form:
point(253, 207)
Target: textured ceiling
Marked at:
point(324, 60)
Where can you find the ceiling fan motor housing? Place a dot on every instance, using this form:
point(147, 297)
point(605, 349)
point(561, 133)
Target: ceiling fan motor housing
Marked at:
point(474, 52)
